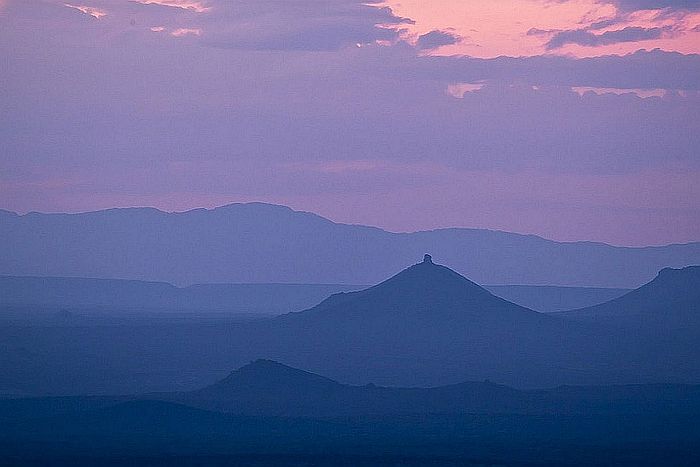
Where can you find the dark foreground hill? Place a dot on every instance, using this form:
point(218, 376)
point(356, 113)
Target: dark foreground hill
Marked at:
point(268, 388)
point(244, 243)
point(269, 414)
point(156, 433)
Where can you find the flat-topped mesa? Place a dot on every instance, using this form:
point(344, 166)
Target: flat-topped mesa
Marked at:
point(427, 259)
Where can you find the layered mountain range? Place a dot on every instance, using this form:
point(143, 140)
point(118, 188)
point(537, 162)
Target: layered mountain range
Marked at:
point(425, 326)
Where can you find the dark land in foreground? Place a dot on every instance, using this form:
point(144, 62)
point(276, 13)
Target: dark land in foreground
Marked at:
point(299, 418)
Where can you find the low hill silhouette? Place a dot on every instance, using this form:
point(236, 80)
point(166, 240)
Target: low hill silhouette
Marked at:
point(424, 290)
point(128, 296)
point(268, 388)
point(672, 300)
point(265, 388)
point(426, 325)
point(658, 326)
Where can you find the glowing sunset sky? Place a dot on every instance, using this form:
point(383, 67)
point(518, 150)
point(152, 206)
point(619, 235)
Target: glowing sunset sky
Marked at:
point(571, 119)
point(525, 27)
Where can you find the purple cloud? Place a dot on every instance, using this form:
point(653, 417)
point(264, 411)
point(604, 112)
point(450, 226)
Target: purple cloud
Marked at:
point(100, 112)
point(435, 39)
point(634, 5)
point(299, 25)
point(587, 38)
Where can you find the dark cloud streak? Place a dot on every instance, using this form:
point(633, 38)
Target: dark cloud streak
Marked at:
point(634, 5)
point(435, 39)
point(590, 39)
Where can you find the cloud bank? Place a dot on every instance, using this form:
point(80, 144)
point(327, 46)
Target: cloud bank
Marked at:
point(329, 109)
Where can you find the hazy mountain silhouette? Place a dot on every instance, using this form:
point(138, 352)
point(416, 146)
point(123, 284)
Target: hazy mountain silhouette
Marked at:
point(265, 388)
point(125, 295)
point(423, 291)
point(268, 388)
point(672, 299)
point(273, 244)
point(128, 295)
point(426, 325)
point(262, 376)
point(429, 325)
point(660, 323)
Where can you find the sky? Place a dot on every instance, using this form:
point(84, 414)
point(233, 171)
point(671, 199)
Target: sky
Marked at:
point(569, 119)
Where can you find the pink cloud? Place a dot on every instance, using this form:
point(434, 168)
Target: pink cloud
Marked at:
point(193, 5)
point(88, 10)
point(458, 90)
point(180, 32)
point(505, 27)
point(643, 93)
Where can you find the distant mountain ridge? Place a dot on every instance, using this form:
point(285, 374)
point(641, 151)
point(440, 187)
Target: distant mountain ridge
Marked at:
point(262, 243)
